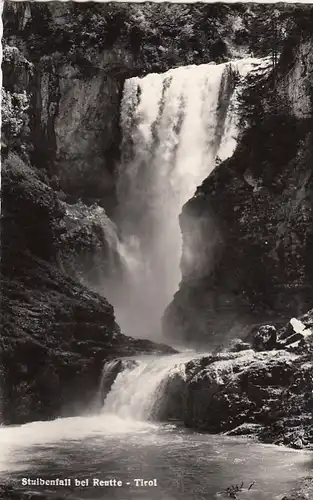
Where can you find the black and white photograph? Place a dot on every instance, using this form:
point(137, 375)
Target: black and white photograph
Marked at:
point(156, 313)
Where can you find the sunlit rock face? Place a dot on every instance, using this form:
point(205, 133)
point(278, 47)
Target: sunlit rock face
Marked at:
point(90, 246)
point(297, 84)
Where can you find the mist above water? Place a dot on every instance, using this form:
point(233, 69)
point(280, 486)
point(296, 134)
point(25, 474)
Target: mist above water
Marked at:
point(176, 126)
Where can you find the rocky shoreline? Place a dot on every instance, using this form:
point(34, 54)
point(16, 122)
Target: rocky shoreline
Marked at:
point(261, 388)
point(264, 393)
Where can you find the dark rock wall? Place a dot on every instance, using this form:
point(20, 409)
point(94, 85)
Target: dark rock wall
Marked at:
point(247, 232)
point(55, 333)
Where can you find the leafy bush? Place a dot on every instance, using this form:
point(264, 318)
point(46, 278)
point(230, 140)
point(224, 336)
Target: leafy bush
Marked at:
point(14, 107)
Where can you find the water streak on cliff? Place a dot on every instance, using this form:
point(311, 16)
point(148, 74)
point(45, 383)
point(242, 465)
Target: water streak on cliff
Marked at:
point(176, 127)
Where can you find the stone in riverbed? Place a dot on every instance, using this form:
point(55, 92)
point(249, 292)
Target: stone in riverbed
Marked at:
point(110, 371)
point(238, 345)
point(245, 430)
point(265, 338)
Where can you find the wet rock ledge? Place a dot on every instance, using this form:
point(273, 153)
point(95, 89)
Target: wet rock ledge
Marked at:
point(261, 387)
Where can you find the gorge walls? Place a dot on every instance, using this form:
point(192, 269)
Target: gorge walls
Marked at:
point(175, 127)
point(259, 204)
point(80, 57)
point(73, 84)
point(64, 69)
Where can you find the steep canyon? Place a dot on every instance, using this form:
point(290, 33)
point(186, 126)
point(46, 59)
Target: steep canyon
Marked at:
point(258, 202)
point(108, 130)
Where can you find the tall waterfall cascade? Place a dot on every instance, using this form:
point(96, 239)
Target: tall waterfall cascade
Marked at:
point(176, 127)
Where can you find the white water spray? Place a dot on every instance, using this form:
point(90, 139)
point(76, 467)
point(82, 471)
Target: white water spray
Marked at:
point(175, 126)
point(138, 388)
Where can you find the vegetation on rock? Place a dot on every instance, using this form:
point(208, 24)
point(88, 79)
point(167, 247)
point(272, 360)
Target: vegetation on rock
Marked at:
point(257, 266)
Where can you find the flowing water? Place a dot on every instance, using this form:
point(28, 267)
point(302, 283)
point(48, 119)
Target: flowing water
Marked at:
point(138, 388)
point(176, 127)
point(121, 446)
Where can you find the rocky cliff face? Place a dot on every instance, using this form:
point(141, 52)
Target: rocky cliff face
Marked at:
point(247, 232)
point(74, 101)
point(81, 55)
point(296, 84)
point(56, 333)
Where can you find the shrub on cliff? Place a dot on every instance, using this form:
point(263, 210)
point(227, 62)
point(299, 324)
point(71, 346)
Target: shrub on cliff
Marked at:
point(14, 109)
point(15, 100)
point(160, 35)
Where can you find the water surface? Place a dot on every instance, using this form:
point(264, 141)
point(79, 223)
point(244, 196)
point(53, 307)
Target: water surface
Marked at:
point(186, 465)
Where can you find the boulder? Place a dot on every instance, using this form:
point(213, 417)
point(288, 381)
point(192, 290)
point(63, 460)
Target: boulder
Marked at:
point(264, 338)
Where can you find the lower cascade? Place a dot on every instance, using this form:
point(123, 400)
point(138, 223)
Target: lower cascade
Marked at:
point(176, 127)
point(139, 387)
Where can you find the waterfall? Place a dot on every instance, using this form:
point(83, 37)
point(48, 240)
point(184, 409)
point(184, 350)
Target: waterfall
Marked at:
point(139, 387)
point(176, 127)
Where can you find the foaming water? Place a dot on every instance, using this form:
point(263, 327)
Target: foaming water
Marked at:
point(185, 465)
point(119, 443)
point(70, 428)
point(176, 126)
point(137, 388)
